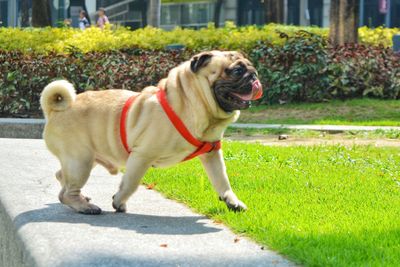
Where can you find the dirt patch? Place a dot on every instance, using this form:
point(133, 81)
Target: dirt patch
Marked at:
point(329, 112)
point(279, 114)
point(298, 141)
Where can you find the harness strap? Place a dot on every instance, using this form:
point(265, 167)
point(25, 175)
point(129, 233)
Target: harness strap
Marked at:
point(122, 122)
point(202, 147)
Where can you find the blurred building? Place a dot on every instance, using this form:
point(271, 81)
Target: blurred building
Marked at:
point(197, 13)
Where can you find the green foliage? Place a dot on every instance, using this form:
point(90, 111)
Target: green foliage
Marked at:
point(296, 71)
point(359, 70)
point(294, 66)
point(60, 40)
point(305, 68)
point(377, 36)
point(319, 205)
point(25, 76)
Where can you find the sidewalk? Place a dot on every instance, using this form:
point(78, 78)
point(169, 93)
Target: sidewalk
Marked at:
point(36, 230)
point(314, 127)
point(33, 128)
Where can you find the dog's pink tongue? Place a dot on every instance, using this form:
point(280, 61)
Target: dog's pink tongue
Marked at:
point(256, 92)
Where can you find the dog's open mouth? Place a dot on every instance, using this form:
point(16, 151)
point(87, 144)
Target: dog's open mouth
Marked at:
point(253, 94)
point(236, 98)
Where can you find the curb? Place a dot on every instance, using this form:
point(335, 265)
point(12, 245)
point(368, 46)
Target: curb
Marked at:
point(325, 128)
point(33, 128)
point(21, 128)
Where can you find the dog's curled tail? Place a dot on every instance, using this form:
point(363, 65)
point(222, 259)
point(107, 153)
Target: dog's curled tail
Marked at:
point(57, 96)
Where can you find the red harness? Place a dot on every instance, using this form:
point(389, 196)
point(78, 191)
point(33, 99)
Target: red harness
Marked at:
point(202, 147)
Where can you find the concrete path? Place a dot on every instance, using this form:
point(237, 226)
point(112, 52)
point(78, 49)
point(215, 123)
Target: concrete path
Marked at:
point(33, 128)
point(36, 230)
point(327, 128)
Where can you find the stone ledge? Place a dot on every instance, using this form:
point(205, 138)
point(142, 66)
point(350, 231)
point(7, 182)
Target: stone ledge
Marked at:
point(21, 128)
point(33, 128)
point(36, 230)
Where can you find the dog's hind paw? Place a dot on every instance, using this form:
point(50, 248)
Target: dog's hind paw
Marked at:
point(91, 210)
point(120, 207)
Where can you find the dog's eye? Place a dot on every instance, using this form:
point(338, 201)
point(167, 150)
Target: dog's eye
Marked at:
point(238, 71)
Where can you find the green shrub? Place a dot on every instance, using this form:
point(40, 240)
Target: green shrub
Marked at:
point(296, 71)
point(304, 68)
point(61, 40)
point(297, 67)
point(359, 70)
point(25, 76)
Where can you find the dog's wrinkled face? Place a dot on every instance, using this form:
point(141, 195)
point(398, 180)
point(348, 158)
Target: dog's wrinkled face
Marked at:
point(231, 76)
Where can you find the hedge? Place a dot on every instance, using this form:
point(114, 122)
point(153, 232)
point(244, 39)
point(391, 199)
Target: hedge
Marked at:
point(25, 76)
point(305, 68)
point(63, 40)
point(300, 68)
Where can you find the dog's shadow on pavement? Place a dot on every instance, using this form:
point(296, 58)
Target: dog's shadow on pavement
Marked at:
point(140, 223)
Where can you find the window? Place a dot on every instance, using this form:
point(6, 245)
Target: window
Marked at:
point(315, 9)
point(3, 13)
point(372, 16)
point(170, 14)
point(293, 12)
point(250, 12)
point(395, 13)
point(193, 15)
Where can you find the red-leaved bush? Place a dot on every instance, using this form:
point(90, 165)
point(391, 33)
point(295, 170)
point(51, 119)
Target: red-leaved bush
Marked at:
point(304, 68)
point(25, 76)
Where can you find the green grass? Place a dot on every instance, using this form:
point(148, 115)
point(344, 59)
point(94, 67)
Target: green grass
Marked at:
point(318, 205)
point(351, 112)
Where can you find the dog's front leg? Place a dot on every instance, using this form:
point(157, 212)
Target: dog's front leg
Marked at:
point(214, 165)
point(136, 167)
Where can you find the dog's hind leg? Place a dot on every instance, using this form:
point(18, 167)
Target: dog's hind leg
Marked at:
point(136, 167)
point(62, 183)
point(75, 173)
point(112, 169)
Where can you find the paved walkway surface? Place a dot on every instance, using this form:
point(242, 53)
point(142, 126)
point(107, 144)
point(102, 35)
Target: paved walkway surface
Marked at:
point(329, 128)
point(33, 128)
point(36, 230)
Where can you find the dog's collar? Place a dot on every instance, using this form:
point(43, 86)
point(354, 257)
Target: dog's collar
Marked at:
point(202, 147)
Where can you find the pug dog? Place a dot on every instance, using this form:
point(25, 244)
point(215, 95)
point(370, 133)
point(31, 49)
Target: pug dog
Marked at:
point(206, 93)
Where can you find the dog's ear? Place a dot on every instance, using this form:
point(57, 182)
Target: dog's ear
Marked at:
point(200, 61)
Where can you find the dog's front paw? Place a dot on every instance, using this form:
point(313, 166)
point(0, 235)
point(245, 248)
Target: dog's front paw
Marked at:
point(232, 202)
point(236, 207)
point(119, 207)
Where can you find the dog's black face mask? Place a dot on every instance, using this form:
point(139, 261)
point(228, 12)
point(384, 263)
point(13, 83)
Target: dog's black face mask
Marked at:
point(238, 88)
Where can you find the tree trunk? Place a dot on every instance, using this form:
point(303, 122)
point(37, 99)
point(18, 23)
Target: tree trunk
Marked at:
point(25, 13)
point(217, 12)
point(41, 14)
point(154, 13)
point(343, 26)
point(273, 11)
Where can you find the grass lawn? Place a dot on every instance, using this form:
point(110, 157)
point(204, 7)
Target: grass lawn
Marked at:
point(351, 112)
point(318, 205)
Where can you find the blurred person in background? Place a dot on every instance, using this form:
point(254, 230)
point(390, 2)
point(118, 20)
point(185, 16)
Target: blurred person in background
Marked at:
point(102, 20)
point(83, 21)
